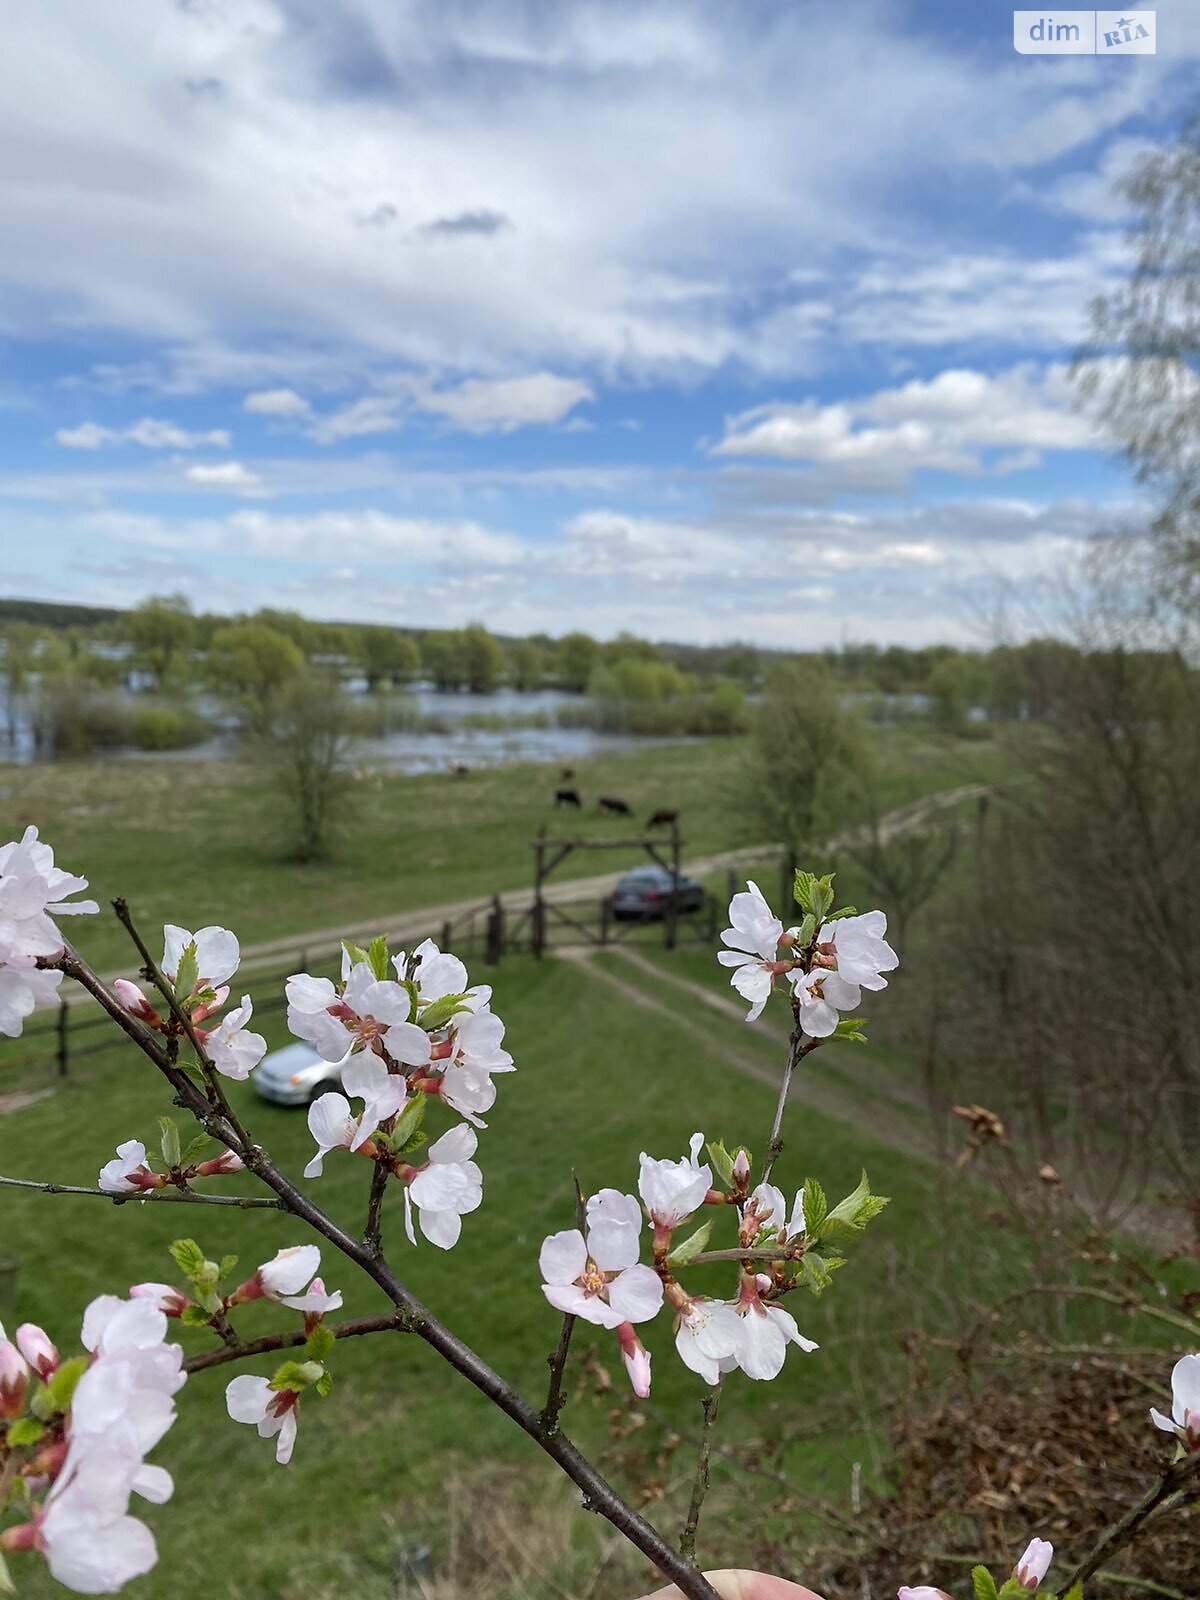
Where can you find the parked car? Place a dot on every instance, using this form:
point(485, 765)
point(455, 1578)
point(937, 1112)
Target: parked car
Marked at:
point(295, 1075)
point(645, 893)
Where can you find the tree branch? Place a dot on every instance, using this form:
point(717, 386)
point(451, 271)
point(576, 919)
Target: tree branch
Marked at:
point(394, 1321)
point(1176, 1477)
point(711, 1404)
point(172, 1195)
point(557, 1362)
point(798, 1048)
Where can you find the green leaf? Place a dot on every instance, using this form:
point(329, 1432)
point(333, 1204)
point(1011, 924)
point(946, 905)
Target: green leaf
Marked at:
point(415, 1143)
point(319, 1343)
point(187, 1256)
point(816, 1272)
point(297, 1375)
point(356, 953)
point(852, 1214)
point(7, 1586)
point(721, 1160)
point(816, 1208)
point(194, 1317)
point(379, 959)
point(324, 1384)
point(690, 1247)
point(409, 1120)
point(807, 931)
point(803, 888)
point(439, 1012)
point(985, 1584)
point(60, 1386)
point(189, 972)
point(1013, 1590)
point(170, 1141)
point(226, 1267)
point(843, 911)
point(1076, 1593)
point(852, 1029)
point(25, 1430)
point(194, 1150)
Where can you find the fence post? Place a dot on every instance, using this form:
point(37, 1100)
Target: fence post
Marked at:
point(539, 926)
point(447, 935)
point(495, 932)
point(64, 1012)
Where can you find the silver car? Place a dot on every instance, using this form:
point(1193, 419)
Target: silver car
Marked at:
point(295, 1075)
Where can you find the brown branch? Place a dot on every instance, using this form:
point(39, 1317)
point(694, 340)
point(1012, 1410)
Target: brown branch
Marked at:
point(687, 1538)
point(598, 1495)
point(798, 1048)
point(1175, 1478)
point(173, 1195)
point(394, 1321)
point(557, 1362)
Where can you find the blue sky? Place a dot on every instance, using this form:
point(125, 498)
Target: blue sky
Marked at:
point(702, 320)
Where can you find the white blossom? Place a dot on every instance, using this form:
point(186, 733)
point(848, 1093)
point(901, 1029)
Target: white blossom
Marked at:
point(599, 1278)
point(315, 1301)
point(289, 1271)
point(1184, 1420)
point(1034, 1564)
point(765, 1331)
point(921, 1592)
point(126, 1172)
point(231, 1048)
point(332, 1123)
point(863, 954)
point(217, 954)
point(32, 887)
point(36, 1346)
point(672, 1190)
point(820, 995)
point(476, 1052)
point(636, 1358)
point(334, 1126)
point(369, 1013)
point(436, 973)
point(23, 985)
point(14, 1379)
point(770, 1209)
point(707, 1337)
point(446, 1190)
point(272, 1411)
point(753, 952)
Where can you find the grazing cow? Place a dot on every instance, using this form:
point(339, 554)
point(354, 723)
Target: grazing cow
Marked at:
point(459, 769)
point(615, 807)
point(567, 797)
point(663, 819)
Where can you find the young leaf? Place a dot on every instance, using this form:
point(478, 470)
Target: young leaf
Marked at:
point(170, 1141)
point(807, 931)
point(194, 1317)
point(854, 1212)
point(319, 1343)
point(852, 1029)
point(842, 911)
point(721, 1160)
point(816, 1208)
point(25, 1430)
point(377, 955)
point(690, 1247)
point(297, 1375)
point(324, 1384)
point(1012, 1589)
point(439, 1012)
point(60, 1386)
point(409, 1120)
point(803, 888)
point(194, 1150)
point(189, 972)
point(816, 1272)
point(188, 1257)
point(356, 953)
point(985, 1584)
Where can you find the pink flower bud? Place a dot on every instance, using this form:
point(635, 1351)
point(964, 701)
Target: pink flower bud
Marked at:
point(741, 1167)
point(220, 1166)
point(165, 1296)
point(211, 1007)
point(35, 1346)
point(636, 1358)
point(1034, 1564)
point(135, 1002)
point(14, 1380)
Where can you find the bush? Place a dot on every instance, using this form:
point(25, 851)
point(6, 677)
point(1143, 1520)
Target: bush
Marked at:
point(71, 719)
point(167, 728)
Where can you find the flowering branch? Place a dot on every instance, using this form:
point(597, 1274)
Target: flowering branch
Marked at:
point(391, 1322)
point(175, 1196)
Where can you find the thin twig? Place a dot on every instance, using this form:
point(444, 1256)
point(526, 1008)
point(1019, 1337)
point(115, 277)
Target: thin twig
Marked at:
point(173, 1195)
point(393, 1322)
point(556, 1363)
point(750, 1253)
point(373, 1232)
point(598, 1495)
point(1176, 1477)
point(711, 1404)
point(798, 1048)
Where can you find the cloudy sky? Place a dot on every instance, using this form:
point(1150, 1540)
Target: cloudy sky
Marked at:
point(703, 319)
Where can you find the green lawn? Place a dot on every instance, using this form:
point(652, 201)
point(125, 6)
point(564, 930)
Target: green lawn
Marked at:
point(599, 1079)
point(195, 843)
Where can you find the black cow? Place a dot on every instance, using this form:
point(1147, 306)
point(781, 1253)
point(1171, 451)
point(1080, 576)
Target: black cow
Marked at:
point(614, 807)
point(567, 797)
point(663, 819)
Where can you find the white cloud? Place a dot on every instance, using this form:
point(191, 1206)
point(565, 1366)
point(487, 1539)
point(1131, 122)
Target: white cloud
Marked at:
point(152, 433)
point(944, 423)
point(499, 406)
point(231, 475)
point(276, 403)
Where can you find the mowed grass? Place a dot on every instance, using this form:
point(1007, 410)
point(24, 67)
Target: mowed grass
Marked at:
point(195, 843)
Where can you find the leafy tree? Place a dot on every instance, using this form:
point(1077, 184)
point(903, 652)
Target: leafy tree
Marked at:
point(306, 750)
point(162, 633)
point(577, 653)
point(386, 656)
point(483, 659)
point(528, 666)
point(442, 656)
point(250, 664)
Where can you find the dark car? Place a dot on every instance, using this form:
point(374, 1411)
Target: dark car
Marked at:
point(645, 893)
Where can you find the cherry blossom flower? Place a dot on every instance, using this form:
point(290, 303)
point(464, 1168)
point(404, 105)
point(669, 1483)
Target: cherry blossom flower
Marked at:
point(221, 1166)
point(315, 1301)
point(272, 1411)
point(820, 995)
point(863, 954)
point(672, 1190)
point(771, 1213)
point(289, 1271)
point(334, 1126)
point(445, 1190)
point(753, 951)
point(1184, 1421)
point(136, 1003)
point(636, 1358)
point(91, 1545)
point(23, 986)
point(476, 1053)
point(765, 1331)
point(217, 954)
point(35, 1345)
point(599, 1278)
point(1034, 1564)
point(14, 1379)
point(369, 1013)
point(234, 1051)
point(921, 1592)
point(707, 1337)
point(436, 973)
point(32, 887)
point(127, 1172)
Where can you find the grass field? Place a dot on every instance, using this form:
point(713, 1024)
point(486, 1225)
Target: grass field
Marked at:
point(196, 843)
point(599, 1079)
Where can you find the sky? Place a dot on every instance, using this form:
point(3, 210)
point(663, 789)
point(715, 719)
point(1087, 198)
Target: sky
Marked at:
point(709, 321)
